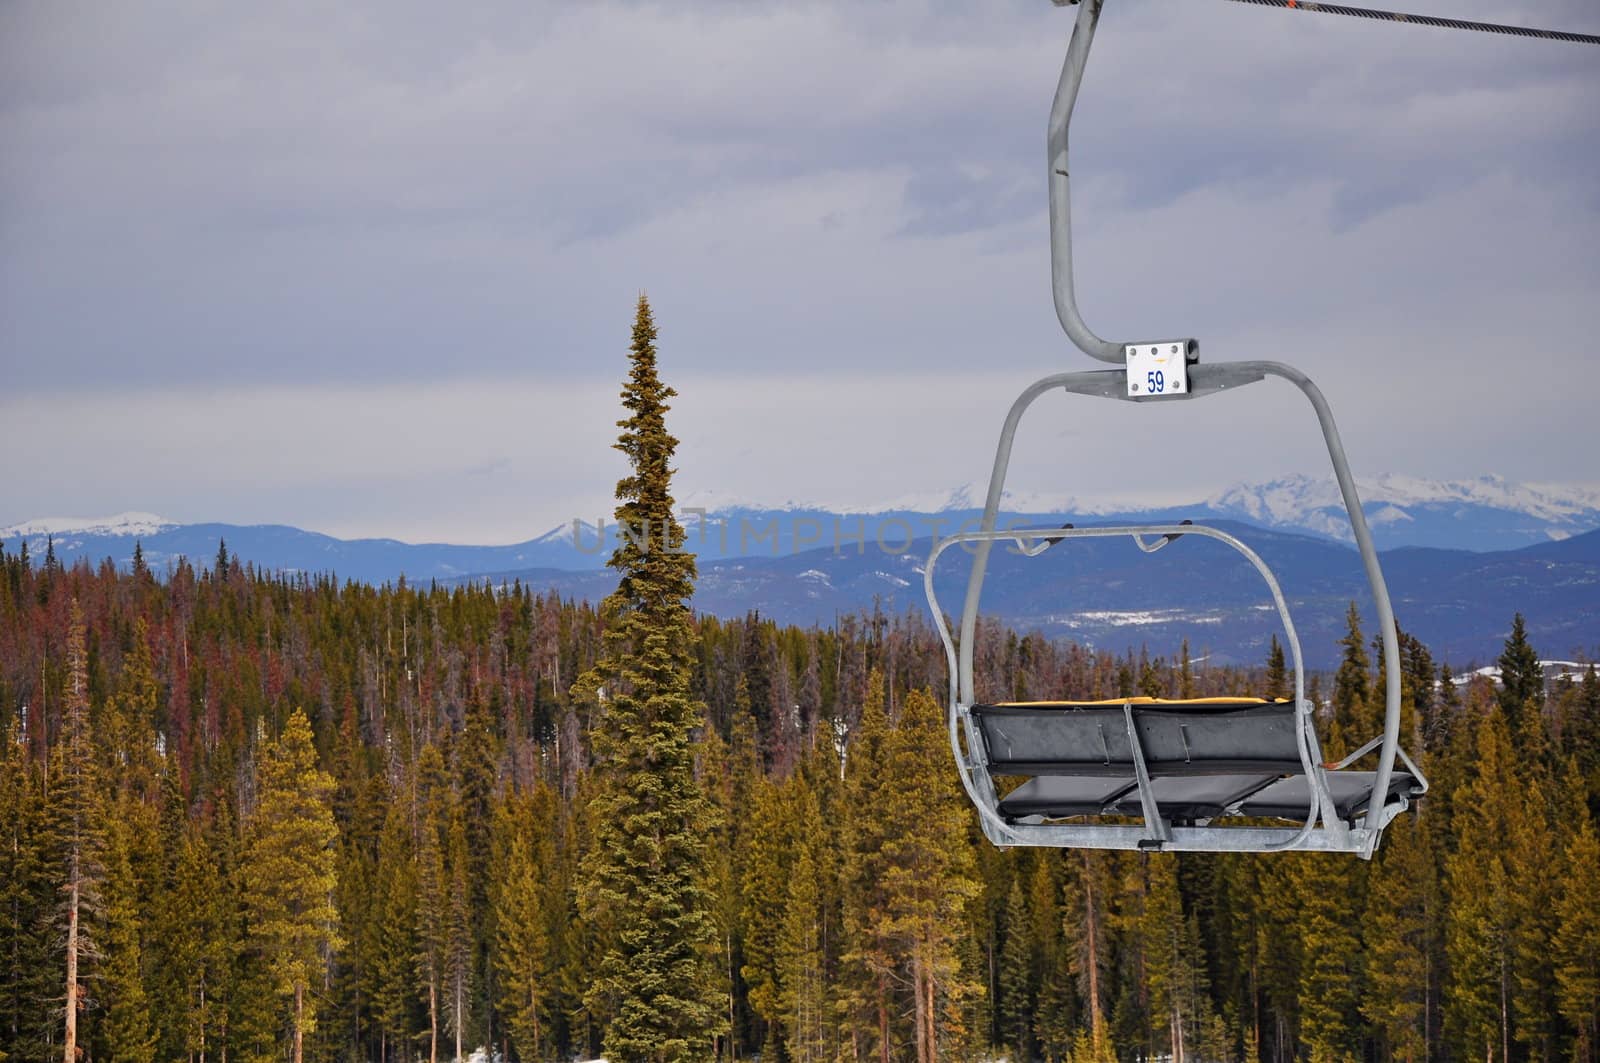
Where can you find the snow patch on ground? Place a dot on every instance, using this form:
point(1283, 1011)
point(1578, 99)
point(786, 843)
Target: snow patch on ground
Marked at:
point(1136, 618)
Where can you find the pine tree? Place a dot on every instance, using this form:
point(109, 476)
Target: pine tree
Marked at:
point(869, 957)
point(1577, 939)
point(1353, 718)
point(1056, 1015)
point(195, 939)
point(803, 999)
point(1478, 927)
point(1330, 951)
point(1521, 678)
point(1396, 931)
point(287, 870)
point(1278, 687)
point(29, 888)
point(434, 910)
point(765, 889)
point(127, 1031)
point(394, 947)
point(1529, 851)
point(80, 833)
point(1174, 968)
point(458, 956)
point(1088, 932)
point(522, 946)
point(1017, 990)
point(928, 875)
point(645, 879)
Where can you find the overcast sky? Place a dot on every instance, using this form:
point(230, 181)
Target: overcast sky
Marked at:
point(370, 268)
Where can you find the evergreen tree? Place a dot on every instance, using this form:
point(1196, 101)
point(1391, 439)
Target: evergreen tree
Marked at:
point(1529, 851)
point(459, 953)
point(1353, 718)
point(128, 1033)
point(803, 999)
point(765, 889)
point(287, 871)
point(394, 946)
point(1016, 981)
point(869, 957)
point(195, 940)
point(79, 828)
point(522, 945)
point(1330, 951)
point(1521, 678)
point(29, 890)
point(1577, 939)
point(1278, 686)
point(1479, 928)
point(1396, 932)
point(1088, 932)
point(645, 880)
point(928, 877)
point(434, 909)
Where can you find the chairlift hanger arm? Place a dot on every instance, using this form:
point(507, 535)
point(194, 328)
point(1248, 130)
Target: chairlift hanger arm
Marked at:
point(1060, 181)
point(1061, 196)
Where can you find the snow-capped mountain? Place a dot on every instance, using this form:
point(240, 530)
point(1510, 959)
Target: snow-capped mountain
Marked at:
point(1485, 513)
point(63, 528)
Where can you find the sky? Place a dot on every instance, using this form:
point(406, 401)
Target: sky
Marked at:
point(370, 268)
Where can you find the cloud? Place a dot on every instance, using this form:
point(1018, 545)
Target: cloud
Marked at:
point(380, 216)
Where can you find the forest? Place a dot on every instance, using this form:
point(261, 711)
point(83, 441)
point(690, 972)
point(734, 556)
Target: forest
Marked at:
point(284, 808)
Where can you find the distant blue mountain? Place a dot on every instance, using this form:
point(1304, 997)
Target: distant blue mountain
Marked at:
point(809, 564)
point(1106, 593)
point(277, 547)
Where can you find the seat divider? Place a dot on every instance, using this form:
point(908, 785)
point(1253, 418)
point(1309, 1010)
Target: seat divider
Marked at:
point(1147, 798)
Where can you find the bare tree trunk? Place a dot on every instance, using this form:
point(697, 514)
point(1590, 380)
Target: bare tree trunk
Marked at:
point(1505, 1016)
point(1091, 912)
point(70, 1047)
point(202, 1018)
point(299, 1022)
point(883, 1023)
point(433, 1022)
point(921, 1008)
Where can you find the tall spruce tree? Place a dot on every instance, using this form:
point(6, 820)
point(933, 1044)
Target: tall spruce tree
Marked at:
point(1521, 679)
point(288, 874)
point(645, 879)
point(75, 800)
point(1577, 939)
point(522, 943)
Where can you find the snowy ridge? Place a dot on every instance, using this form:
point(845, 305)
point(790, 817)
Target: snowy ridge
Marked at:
point(125, 524)
point(1296, 499)
point(968, 496)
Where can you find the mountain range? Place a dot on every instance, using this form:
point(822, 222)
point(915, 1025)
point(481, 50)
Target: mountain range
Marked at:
point(1460, 558)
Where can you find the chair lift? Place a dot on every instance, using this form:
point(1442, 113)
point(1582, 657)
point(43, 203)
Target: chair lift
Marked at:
point(1197, 775)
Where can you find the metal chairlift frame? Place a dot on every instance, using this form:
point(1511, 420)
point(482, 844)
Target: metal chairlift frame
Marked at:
point(1323, 829)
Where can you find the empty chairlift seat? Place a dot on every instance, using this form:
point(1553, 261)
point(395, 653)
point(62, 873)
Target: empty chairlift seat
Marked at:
point(1204, 758)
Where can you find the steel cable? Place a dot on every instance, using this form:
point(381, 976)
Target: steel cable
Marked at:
point(1427, 20)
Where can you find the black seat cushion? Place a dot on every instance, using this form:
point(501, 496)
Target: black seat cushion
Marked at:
point(1053, 795)
point(1290, 798)
point(1206, 736)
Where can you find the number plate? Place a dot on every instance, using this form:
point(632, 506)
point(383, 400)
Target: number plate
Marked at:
point(1156, 369)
